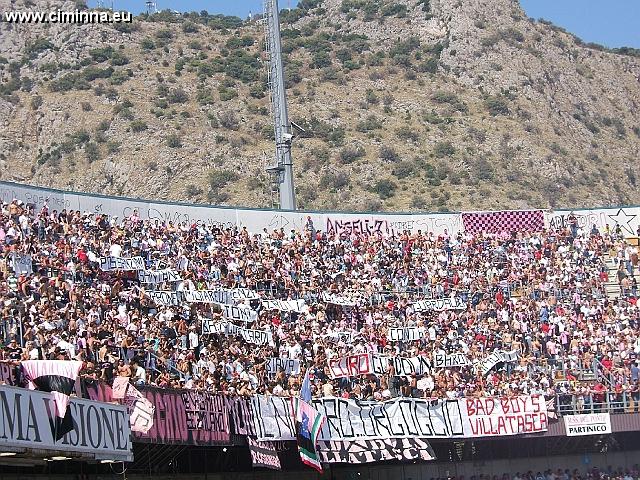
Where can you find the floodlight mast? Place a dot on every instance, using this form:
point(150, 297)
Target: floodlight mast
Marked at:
point(283, 168)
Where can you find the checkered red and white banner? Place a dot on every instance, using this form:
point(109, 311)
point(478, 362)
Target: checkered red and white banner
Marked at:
point(501, 222)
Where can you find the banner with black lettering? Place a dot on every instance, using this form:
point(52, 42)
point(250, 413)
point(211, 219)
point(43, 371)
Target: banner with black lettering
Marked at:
point(263, 454)
point(587, 424)
point(108, 264)
point(284, 305)
point(337, 300)
point(439, 304)
point(178, 417)
point(449, 360)
point(487, 363)
point(406, 418)
point(379, 450)
point(366, 363)
point(28, 422)
point(512, 356)
point(164, 297)
point(158, 276)
point(221, 296)
point(347, 336)
point(256, 337)
point(404, 334)
point(403, 366)
point(496, 357)
point(239, 313)
point(290, 366)
point(9, 374)
point(244, 294)
point(211, 327)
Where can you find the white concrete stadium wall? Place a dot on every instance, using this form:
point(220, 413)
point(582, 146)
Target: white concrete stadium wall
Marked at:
point(258, 219)
point(254, 219)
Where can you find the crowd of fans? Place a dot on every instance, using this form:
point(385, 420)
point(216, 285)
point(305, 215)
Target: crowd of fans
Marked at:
point(542, 295)
point(594, 473)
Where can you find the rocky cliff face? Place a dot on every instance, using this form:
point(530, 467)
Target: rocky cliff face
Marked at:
point(407, 105)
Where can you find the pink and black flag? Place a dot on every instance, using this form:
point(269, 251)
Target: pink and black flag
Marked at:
point(57, 377)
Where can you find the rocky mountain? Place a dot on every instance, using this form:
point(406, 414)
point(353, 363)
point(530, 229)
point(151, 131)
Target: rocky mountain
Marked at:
point(406, 105)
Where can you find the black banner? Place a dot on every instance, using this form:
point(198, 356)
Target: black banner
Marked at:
point(263, 454)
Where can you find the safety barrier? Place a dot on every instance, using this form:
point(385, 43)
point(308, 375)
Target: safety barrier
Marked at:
point(612, 402)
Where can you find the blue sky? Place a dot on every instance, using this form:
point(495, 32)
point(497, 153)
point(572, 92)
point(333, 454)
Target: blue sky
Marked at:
point(614, 23)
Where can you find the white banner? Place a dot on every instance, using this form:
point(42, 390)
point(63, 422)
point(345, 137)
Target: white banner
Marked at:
point(487, 363)
point(448, 360)
point(244, 294)
point(284, 305)
point(439, 304)
point(210, 327)
point(366, 363)
point(369, 451)
point(22, 264)
point(165, 297)
point(587, 424)
point(337, 300)
point(291, 366)
point(108, 264)
point(496, 357)
point(239, 313)
point(406, 418)
point(256, 337)
point(158, 276)
point(347, 337)
point(628, 218)
point(221, 296)
point(404, 334)
point(512, 356)
point(403, 366)
point(140, 410)
point(351, 366)
point(28, 419)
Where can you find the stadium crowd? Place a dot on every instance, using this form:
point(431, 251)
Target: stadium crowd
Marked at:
point(594, 473)
point(542, 295)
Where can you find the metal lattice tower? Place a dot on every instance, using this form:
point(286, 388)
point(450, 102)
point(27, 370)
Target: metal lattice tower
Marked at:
point(152, 7)
point(283, 168)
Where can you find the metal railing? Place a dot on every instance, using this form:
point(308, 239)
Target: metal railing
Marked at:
point(611, 402)
point(151, 365)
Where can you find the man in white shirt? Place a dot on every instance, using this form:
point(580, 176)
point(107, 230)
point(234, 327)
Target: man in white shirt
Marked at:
point(294, 350)
point(140, 375)
point(193, 338)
